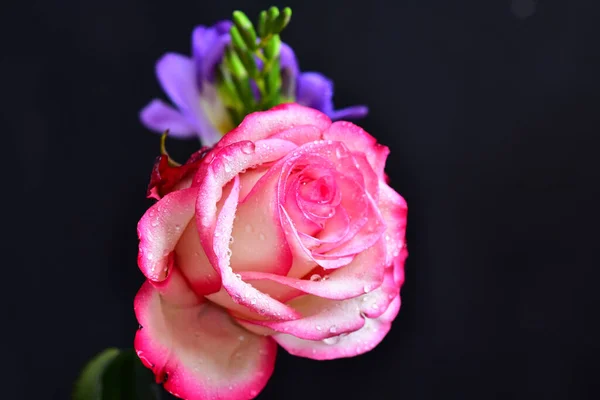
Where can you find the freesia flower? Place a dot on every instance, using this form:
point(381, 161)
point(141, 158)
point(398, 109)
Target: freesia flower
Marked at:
point(189, 82)
point(285, 232)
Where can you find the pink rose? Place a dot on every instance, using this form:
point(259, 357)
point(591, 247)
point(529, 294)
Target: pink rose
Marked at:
point(285, 232)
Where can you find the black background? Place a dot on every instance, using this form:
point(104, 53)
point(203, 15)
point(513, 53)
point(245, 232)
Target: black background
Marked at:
point(491, 111)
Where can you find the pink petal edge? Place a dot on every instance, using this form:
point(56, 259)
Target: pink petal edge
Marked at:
point(198, 351)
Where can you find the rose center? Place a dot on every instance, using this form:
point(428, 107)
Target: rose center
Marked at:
point(320, 191)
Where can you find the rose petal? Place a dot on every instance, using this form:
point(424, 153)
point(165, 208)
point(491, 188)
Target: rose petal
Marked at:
point(350, 345)
point(358, 140)
point(363, 274)
point(215, 238)
point(393, 210)
point(300, 134)
point(160, 117)
point(262, 124)
point(323, 318)
point(199, 351)
point(257, 223)
point(159, 231)
point(259, 241)
point(191, 259)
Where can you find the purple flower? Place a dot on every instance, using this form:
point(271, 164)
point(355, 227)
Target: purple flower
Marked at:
point(191, 87)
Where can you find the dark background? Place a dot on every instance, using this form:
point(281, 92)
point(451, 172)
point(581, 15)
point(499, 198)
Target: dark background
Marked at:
point(491, 111)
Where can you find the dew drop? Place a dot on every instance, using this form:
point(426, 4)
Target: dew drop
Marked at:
point(333, 329)
point(238, 276)
point(318, 327)
point(367, 288)
point(315, 278)
point(248, 148)
point(253, 301)
point(253, 392)
point(231, 239)
point(177, 228)
point(332, 340)
point(227, 167)
point(241, 338)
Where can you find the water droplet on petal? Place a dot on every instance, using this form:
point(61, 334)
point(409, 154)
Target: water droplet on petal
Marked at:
point(238, 276)
point(315, 278)
point(253, 301)
point(241, 338)
point(227, 167)
point(333, 329)
point(248, 148)
point(332, 340)
point(318, 327)
point(367, 288)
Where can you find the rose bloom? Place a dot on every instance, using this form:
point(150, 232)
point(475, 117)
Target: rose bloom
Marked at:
point(285, 232)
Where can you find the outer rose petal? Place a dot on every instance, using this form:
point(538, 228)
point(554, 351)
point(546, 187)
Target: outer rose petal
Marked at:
point(350, 345)
point(263, 124)
point(357, 139)
point(191, 259)
point(393, 209)
point(159, 231)
point(215, 241)
point(199, 351)
point(323, 318)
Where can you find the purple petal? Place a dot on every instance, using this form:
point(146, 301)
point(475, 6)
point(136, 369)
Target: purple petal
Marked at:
point(289, 71)
point(349, 113)
point(316, 91)
point(208, 45)
point(176, 74)
point(159, 116)
point(214, 57)
point(223, 26)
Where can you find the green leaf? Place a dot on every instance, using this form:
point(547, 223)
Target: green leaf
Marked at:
point(116, 375)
